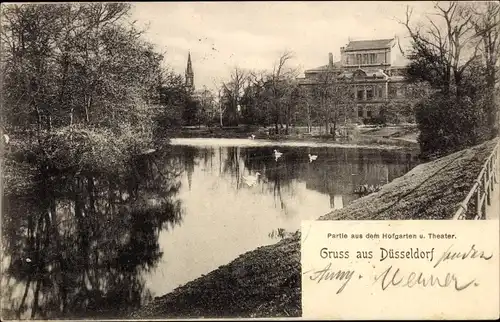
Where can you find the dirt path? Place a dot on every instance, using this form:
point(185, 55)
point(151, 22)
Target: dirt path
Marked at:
point(266, 282)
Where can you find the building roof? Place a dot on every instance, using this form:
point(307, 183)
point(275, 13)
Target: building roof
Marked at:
point(369, 44)
point(324, 67)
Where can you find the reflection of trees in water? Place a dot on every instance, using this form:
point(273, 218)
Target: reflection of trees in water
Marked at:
point(337, 171)
point(235, 163)
point(77, 245)
point(232, 164)
point(340, 171)
point(279, 233)
point(278, 175)
point(190, 157)
point(339, 203)
point(207, 155)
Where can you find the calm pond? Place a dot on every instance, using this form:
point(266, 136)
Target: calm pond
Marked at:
point(99, 246)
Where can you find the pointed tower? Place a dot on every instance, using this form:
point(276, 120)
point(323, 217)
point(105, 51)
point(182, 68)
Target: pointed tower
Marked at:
point(189, 74)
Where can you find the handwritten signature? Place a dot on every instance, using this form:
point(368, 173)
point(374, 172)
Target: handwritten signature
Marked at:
point(394, 278)
point(471, 253)
point(329, 274)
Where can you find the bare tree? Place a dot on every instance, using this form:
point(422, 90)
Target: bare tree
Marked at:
point(258, 95)
point(280, 80)
point(220, 106)
point(307, 102)
point(233, 90)
point(485, 19)
point(206, 102)
point(445, 45)
point(333, 97)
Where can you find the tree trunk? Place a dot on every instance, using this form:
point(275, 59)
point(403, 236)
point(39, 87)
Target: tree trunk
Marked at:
point(35, 299)
point(23, 300)
point(334, 128)
point(87, 109)
point(220, 114)
point(276, 121)
point(309, 125)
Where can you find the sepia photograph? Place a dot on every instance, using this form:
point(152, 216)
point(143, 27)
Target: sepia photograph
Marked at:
point(157, 159)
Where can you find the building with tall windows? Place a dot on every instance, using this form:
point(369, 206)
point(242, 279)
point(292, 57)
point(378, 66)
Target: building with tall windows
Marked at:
point(370, 67)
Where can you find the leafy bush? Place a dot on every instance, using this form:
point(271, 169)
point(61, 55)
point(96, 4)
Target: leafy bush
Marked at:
point(448, 124)
point(79, 149)
point(394, 112)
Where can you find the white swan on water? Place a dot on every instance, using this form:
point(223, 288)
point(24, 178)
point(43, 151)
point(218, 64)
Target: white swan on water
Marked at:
point(312, 158)
point(277, 154)
point(251, 180)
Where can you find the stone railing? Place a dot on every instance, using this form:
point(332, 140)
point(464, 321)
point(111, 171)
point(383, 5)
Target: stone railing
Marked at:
point(481, 192)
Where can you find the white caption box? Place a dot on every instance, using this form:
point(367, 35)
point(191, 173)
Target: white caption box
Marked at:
point(400, 269)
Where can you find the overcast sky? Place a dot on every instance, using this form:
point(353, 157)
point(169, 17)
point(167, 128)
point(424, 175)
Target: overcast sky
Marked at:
point(251, 35)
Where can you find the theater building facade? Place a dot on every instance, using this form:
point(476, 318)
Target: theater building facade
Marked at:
point(369, 67)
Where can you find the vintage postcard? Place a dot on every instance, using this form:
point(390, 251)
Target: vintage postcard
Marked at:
point(284, 160)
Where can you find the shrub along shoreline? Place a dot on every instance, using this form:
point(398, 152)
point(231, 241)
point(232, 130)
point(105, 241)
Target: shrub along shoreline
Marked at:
point(70, 150)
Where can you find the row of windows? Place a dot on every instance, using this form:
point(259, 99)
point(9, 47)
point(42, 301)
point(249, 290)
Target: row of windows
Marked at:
point(371, 93)
point(368, 113)
point(377, 91)
point(361, 59)
point(374, 92)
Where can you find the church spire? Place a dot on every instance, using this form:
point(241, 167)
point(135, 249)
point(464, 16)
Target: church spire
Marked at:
point(189, 74)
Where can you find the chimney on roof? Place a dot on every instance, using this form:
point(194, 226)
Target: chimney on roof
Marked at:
point(330, 60)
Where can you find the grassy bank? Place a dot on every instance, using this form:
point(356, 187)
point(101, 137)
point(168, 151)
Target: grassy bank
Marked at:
point(266, 282)
point(253, 285)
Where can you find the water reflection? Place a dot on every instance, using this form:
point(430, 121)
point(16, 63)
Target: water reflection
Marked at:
point(337, 172)
point(75, 245)
point(98, 245)
point(227, 217)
